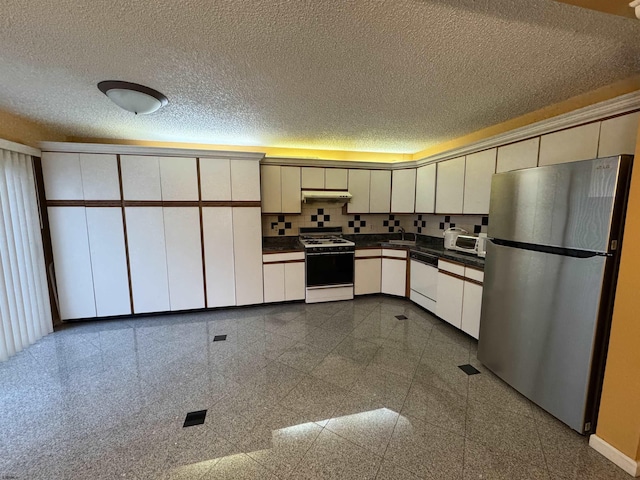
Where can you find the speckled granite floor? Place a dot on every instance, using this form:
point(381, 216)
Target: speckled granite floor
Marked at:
point(326, 391)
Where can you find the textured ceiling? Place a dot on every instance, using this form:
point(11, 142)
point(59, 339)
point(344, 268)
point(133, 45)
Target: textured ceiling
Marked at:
point(369, 75)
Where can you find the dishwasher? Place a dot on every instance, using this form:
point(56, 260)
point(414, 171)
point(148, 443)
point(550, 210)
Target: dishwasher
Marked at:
point(424, 279)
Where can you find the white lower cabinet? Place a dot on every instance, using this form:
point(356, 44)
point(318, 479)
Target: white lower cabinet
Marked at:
point(217, 223)
point(423, 282)
point(450, 293)
point(294, 283)
point(148, 259)
point(471, 306)
point(368, 275)
point(70, 242)
point(273, 282)
point(283, 276)
point(108, 261)
point(184, 257)
point(247, 247)
point(394, 276)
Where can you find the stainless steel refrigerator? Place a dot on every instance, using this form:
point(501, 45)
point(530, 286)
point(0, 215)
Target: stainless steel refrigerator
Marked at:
point(552, 258)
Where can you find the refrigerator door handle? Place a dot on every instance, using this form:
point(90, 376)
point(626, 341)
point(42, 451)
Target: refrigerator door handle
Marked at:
point(566, 252)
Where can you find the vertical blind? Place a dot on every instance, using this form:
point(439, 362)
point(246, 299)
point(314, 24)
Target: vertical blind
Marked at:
point(25, 313)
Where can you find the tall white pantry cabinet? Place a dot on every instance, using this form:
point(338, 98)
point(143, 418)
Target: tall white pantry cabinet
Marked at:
point(145, 231)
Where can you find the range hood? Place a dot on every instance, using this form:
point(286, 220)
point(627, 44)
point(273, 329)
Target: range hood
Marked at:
point(325, 196)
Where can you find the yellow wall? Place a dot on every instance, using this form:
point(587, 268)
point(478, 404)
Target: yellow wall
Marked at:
point(20, 130)
point(616, 7)
point(619, 417)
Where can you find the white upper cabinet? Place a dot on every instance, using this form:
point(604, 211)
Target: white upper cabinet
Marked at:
point(450, 186)
point(578, 143)
point(100, 176)
point(312, 177)
point(518, 155)
point(380, 191)
point(290, 188)
point(479, 168)
point(179, 178)
point(281, 189)
point(426, 189)
point(618, 135)
point(62, 176)
point(215, 179)
point(335, 178)
point(245, 180)
point(403, 191)
point(359, 185)
point(271, 189)
point(140, 177)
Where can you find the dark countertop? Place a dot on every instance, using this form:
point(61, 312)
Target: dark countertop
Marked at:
point(281, 245)
point(426, 244)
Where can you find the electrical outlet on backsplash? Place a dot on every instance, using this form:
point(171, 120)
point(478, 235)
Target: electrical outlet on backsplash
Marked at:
point(332, 215)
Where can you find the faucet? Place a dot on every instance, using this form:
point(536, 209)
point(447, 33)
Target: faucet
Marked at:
point(401, 230)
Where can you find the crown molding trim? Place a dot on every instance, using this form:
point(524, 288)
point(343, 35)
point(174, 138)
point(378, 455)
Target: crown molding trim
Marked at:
point(108, 148)
point(609, 108)
point(20, 148)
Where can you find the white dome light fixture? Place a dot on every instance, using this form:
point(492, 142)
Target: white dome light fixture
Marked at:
point(133, 97)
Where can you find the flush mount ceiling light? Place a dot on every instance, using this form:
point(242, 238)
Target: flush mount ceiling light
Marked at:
point(133, 97)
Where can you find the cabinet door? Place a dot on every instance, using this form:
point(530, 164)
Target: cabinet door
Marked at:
point(312, 177)
point(70, 242)
point(140, 178)
point(578, 143)
point(450, 186)
point(394, 277)
point(178, 178)
point(450, 292)
point(184, 257)
point(380, 191)
point(247, 245)
point(62, 176)
point(215, 179)
point(294, 283)
point(426, 189)
point(100, 176)
point(518, 155)
point(271, 189)
point(148, 259)
point(217, 225)
point(471, 306)
point(335, 178)
point(273, 282)
point(359, 188)
point(403, 191)
point(108, 261)
point(618, 135)
point(245, 180)
point(479, 168)
point(368, 276)
point(291, 191)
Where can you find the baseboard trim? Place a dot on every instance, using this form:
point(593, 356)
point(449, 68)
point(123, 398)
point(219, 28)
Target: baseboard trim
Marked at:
point(632, 467)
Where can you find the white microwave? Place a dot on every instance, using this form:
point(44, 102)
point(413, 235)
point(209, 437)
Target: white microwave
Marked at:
point(466, 243)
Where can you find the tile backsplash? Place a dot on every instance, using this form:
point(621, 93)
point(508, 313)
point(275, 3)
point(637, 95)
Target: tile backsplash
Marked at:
point(331, 215)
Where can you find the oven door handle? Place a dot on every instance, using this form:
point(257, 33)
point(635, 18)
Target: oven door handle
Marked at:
point(330, 253)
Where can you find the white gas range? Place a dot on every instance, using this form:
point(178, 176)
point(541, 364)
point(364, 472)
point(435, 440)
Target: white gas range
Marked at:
point(329, 262)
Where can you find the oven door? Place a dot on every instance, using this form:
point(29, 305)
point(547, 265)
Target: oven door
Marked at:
point(329, 269)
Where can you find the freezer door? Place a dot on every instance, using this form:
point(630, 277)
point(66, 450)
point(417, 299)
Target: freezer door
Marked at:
point(570, 205)
point(538, 324)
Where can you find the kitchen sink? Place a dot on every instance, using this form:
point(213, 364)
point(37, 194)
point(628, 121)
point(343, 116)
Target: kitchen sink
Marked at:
point(404, 243)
